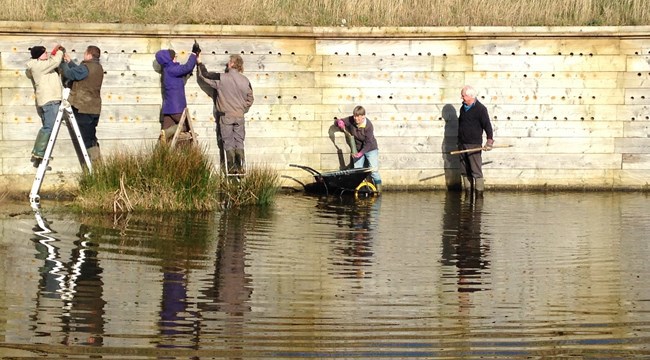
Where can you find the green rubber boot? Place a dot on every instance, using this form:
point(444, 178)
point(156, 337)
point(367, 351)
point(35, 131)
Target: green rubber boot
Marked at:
point(40, 144)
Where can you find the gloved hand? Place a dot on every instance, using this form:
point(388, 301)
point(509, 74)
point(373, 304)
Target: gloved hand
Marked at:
point(488, 144)
point(340, 124)
point(57, 48)
point(196, 48)
point(358, 155)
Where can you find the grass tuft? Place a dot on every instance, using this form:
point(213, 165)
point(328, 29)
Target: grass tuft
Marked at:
point(258, 187)
point(163, 179)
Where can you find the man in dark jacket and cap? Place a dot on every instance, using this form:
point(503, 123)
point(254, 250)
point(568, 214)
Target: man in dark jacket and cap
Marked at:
point(173, 82)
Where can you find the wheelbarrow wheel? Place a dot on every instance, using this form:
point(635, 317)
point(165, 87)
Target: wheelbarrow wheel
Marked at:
point(365, 189)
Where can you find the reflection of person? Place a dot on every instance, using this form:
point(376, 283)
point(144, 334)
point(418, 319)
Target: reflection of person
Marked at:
point(88, 310)
point(229, 289)
point(173, 81)
point(41, 68)
point(85, 96)
point(462, 244)
point(234, 99)
point(472, 122)
point(353, 245)
point(176, 317)
point(362, 130)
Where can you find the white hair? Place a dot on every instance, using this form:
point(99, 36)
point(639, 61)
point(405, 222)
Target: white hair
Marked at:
point(470, 91)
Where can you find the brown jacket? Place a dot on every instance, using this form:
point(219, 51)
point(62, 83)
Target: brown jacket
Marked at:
point(234, 92)
point(86, 93)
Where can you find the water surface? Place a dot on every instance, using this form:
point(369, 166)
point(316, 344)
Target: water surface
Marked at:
point(405, 275)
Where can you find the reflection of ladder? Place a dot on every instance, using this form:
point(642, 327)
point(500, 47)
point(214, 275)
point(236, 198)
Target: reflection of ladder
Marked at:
point(181, 126)
point(34, 198)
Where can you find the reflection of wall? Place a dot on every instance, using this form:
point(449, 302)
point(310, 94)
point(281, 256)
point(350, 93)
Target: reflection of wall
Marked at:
point(574, 105)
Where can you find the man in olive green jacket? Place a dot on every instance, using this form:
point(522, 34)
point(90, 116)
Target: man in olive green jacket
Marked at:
point(85, 96)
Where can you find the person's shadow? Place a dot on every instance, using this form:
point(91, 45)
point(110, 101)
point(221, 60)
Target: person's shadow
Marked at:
point(450, 143)
point(343, 152)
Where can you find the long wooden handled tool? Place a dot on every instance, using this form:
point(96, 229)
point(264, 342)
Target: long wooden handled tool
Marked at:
point(351, 142)
point(456, 152)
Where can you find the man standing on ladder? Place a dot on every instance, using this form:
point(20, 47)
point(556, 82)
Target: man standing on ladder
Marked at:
point(173, 81)
point(234, 99)
point(85, 96)
point(48, 91)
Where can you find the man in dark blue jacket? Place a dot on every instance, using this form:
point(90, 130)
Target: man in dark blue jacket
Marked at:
point(173, 81)
point(472, 122)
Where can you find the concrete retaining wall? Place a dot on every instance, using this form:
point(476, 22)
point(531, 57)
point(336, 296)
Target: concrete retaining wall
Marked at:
point(573, 102)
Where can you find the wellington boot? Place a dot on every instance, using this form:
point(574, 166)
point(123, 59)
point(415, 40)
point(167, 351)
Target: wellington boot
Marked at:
point(40, 144)
point(466, 183)
point(240, 161)
point(230, 161)
point(94, 154)
point(480, 185)
point(170, 131)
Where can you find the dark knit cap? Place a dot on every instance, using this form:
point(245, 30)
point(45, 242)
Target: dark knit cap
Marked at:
point(37, 51)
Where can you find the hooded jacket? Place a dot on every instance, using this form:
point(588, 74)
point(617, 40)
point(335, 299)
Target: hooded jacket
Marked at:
point(173, 81)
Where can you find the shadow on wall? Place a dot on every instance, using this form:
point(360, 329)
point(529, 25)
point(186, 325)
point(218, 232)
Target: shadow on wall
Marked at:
point(450, 143)
point(344, 155)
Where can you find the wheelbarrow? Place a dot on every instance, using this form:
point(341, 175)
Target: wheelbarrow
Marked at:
point(339, 182)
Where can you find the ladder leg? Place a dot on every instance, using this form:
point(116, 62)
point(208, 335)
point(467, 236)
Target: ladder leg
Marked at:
point(179, 129)
point(82, 147)
point(34, 197)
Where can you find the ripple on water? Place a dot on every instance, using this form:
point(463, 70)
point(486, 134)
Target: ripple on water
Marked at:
point(421, 274)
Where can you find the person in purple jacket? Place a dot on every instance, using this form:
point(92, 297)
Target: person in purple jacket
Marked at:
point(173, 82)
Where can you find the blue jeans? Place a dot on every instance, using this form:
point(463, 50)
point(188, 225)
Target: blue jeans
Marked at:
point(372, 159)
point(48, 114)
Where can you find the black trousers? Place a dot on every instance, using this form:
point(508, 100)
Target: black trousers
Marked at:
point(88, 127)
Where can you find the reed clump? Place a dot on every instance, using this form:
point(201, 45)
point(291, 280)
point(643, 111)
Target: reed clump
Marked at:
point(259, 187)
point(337, 12)
point(164, 179)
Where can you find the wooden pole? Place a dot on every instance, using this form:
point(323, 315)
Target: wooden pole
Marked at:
point(456, 152)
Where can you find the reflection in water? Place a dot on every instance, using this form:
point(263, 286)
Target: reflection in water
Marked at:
point(75, 284)
point(178, 323)
point(356, 222)
point(462, 246)
point(226, 292)
point(445, 275)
